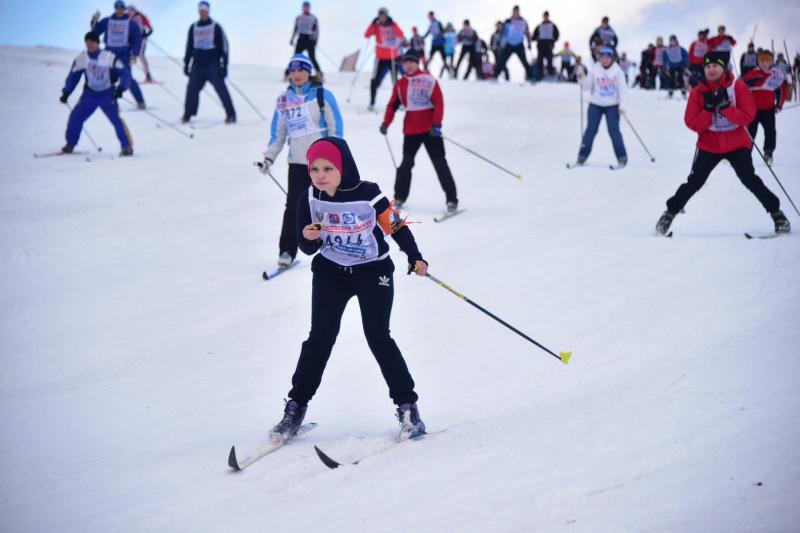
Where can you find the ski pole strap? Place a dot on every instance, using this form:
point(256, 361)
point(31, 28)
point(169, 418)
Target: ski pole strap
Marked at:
point(564, 357)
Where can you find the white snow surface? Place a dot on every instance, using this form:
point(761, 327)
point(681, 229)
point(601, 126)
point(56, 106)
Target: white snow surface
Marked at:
point(139, 342)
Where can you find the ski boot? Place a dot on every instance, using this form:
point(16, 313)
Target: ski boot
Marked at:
point(452, 208)
point(285, 260)
point(371, 108)
point(68, 148)
point(126, 151)
point(663, 224)
point(287, 428)
point(781, 222)
point(398, 204)
point(185, 119)
point(141, 105)
point(148, 78)
point(230, 120)
point(411, 425)
point(621, 162)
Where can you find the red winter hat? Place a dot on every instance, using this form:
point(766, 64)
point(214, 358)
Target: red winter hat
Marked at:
point(324, 149)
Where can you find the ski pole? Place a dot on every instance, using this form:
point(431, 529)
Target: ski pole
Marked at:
point(771, 171)
point(163, 87)
point(363, 62)
point(180, 65)
point(580, 88)
point(391, 153)
point(564, 357)
point(88, 135)
point(246, 99)
point(190, 135)
point(652, 159)
point(476, 154)
point(259, 164)
point(326, 56)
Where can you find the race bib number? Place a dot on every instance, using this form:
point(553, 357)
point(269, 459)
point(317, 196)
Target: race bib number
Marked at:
point(117, 33)
point(516, 30)
point(295, 113)
point(700, 49)
point(347, 230)
point(204, 36)
point(305, 25)
point(606, 87)
point(389, 37)
point(774, 81)
point(98, 75)
point(607, 35)
point(420, 90)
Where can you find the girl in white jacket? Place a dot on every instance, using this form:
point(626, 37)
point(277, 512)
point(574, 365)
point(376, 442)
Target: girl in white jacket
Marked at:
point(606, 82)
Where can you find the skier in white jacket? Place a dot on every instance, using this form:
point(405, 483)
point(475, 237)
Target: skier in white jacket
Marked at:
point(606, 82)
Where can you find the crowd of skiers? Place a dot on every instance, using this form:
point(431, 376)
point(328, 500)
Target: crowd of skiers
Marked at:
point(330, 210)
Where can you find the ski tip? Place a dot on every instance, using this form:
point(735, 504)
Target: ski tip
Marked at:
point(669, 235)
point(327, 461)
point(265, 276)
point(191, 135)
point(652, 159)
point(565, 357)
point(232, 462)
point(748, 235)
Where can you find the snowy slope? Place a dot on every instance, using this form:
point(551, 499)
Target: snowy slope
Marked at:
point(138, 341)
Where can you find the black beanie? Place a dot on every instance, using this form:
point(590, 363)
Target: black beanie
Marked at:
point(91, 36)
point(718, 57)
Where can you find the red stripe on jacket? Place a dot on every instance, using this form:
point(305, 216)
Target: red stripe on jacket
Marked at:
point(764, 99)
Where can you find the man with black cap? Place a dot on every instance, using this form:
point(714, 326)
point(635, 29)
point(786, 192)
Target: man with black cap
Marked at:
point(420, 94)
point(123, 37)
point(207, 53)
point(719, 110)
point(749, 60)
point(545, 35)
point(515, 34)
point(697, 53)
point(306, 31)
point(603, 35)
point(100, 68)
point(466, 37)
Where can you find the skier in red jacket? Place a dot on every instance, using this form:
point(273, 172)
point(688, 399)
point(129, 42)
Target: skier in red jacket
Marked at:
point(768, 86)
point(719, 110)
point(388, 38)
point(420, 94)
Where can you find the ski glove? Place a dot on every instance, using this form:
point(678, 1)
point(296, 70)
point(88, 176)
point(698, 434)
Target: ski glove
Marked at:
point(133, 60)
point(64, 97)
point(118, 92)
point(722, 99)
point(383, 129)
point(436, 130)
point(186, 69)
point(263, 167)
point(710, 101)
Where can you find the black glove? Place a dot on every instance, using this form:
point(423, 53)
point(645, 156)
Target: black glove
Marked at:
point(64, 97)
point(118, 92)
point(722, 98)
point(186, 69)
point(383, 129)
point(710, 101)
point(223, 71)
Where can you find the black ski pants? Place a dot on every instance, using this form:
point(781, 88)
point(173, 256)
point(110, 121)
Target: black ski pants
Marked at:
point(508, 50)
point(545, 52)
point(199, 75)
point(465, 51)
point(299, 182)
point(435, 149)
point(704, 163)
point(332, 287)
point(306, 43)
point(765, 117)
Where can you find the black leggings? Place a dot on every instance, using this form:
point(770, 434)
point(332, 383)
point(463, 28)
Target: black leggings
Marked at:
point(465, 51)
point(299, 182)
point(765, 117)
point(304, 42)
point(331, 288)
point(704, 163)
point(435, 148)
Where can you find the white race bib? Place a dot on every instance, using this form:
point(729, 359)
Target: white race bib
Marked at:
point(98, 73)
point(389, 37)
point(347, 227)
point(700, 49)
point(204, 36)
point(117, 33)
point(420, 91)
point(294, 112)
point(606, 87)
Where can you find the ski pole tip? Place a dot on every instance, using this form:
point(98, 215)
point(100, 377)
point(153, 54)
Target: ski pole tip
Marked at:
point(565, 357)
point(519, 176)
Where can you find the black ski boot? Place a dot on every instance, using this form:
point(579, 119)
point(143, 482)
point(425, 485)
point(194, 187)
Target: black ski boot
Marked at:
point(781, 222)
point(411, 425)
point(287, 428)
point(230, 120)
point(68, 148)
point(126, 151)
point(663, 224)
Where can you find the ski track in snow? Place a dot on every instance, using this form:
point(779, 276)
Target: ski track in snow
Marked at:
point(139, 343)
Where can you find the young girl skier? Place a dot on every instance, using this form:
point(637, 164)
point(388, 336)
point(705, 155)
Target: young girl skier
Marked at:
point(606, 81)
point(345, 220)
point(304, 112)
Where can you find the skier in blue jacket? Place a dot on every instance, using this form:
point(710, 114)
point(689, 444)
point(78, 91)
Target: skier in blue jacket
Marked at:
point(123, 37)
point(100, 67)
point(207, 53)
point(676, 61)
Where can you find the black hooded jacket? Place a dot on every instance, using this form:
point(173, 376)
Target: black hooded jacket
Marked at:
point(352, 189)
